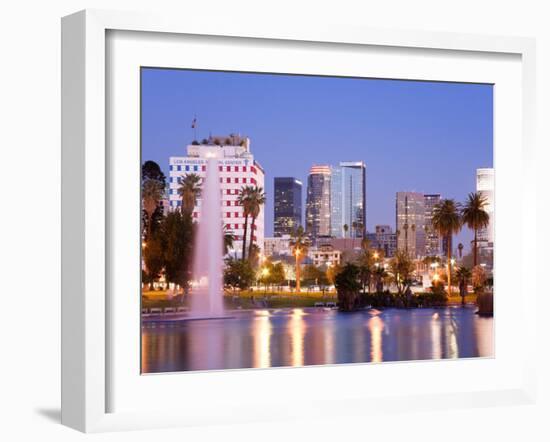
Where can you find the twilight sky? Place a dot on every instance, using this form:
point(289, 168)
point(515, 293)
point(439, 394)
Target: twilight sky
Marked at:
point(413, 136)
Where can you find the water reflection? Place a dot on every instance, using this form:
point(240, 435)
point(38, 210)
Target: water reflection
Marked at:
point(376, 325)
point(297, 337)
point(297, 331)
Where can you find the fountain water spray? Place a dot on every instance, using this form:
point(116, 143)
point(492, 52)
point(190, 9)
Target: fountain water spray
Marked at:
point(207, 295)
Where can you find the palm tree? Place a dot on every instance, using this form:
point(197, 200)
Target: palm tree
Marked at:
point(460, 247)
point(151, 194)
point(463, 274)
point(475, 216)
point(189, 191)
point(300, 245)
point(346, 228)
point(446, 221)
point(228, 239)
point(244, 201)
point(257, 200)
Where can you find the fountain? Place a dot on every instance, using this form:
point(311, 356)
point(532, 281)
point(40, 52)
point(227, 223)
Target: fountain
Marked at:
point(207, 291)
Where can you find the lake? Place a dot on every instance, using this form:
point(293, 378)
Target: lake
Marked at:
point(313, 336)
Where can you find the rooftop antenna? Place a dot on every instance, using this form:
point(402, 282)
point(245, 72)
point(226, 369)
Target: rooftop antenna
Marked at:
point(194, 127)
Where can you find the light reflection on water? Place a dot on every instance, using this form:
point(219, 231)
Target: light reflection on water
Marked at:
point(298, 337)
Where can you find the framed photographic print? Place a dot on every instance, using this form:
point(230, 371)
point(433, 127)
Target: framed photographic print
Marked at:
point(278, 209)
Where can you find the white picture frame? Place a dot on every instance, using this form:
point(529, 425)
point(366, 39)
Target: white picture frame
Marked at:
point(86, 315)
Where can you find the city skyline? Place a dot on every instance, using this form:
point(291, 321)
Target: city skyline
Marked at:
point(398, 128)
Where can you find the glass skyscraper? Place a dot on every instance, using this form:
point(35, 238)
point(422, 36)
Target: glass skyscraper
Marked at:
point(433, 239)
point(348, 200)
point(318, 201)
point(410, 223)
point(287, 205)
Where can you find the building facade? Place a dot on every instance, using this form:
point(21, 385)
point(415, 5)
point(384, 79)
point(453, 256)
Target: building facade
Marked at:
point(325, 255)
point(485, 184)
point(433, 239)
point(410, 223)
point(383, 239)
point(236, 167)
point(278, 245)
point(348, 200)
point(318, 202)
point(287, 205)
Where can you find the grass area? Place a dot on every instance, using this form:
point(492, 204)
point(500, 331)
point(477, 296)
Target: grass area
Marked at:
point(246, 299)
point(456, 299)
point(255, 299)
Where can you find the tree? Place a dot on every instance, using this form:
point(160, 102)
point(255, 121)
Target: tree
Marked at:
point(346, 228)
point(402, 268)
point(313, 276)
point(238, 273)
point(299, 244)
point(152, 171)
point(244, 201)
point(475, 216)
point(177, 243)
point(479, 279)
point(463, 275)
point(347, 286)
point(447, 221)
point(228, 239)
point(151, 220)
point(332, 272)
point(278, 274)
point(154, 259)
point(151, 193)
point(189, 191)
point(365, 262)
point(380, 275)
point(257, 200)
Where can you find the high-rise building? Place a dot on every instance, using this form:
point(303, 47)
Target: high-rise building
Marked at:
point(485, 184)
point(287, 205)
point(410, 214)
point(383, 239)
point(318, 202)
point(433, 239)
point(348, 200)
point(237, 168)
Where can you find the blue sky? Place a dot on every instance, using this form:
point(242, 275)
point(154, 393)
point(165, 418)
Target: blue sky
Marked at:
point(413, 136)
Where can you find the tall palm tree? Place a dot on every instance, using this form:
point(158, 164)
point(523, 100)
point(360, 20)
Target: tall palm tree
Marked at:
point(257, 200)
point(189, 191)
point(475, 216)
point(346, 228)
point(151, 193)
point(244, 201)
point(300, 245)
point(446, 220)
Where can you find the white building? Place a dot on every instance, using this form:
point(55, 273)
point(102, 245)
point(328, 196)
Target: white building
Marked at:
point(325, 255)
point(237, 168)
point(485, 184)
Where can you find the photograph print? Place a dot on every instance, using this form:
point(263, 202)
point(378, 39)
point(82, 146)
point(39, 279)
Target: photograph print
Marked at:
point(303, 220)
